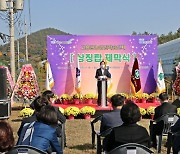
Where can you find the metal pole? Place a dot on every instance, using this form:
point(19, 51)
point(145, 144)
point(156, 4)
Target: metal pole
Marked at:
point(25, 29)
point(18, 53)
point(11, 31)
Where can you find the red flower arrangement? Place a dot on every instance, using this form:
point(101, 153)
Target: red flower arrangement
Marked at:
point(176, 85)
point(26, 88)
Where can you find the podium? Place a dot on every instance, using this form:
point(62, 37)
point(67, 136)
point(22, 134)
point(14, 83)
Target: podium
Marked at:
point(103, 95)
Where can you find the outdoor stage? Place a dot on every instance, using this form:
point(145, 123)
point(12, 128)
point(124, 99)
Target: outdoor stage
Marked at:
point(109, 107)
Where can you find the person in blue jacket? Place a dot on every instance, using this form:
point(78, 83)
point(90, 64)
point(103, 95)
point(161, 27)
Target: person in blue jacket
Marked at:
point(44, 133)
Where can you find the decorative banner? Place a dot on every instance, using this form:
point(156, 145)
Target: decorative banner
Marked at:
point(119, 51)
point(26, 88)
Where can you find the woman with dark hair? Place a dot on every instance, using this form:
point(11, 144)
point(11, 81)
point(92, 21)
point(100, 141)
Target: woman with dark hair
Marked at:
point(129, 131)
point(44, 133)
point(6, 137)
point(38, 103)
point(49, 95)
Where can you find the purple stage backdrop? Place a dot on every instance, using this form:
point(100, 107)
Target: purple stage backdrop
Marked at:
point(119, 51)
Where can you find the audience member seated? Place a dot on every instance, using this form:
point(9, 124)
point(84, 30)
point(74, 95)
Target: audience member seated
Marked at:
point(6, 137)
point(164, 108)
point(176, 141)
point(113, 118)
point(177, 102)
point(38, 103)
point(49, 95)
point(129, 131)
point(44, 132)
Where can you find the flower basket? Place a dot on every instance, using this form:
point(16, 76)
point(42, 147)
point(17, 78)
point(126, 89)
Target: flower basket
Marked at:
point(87, 110)
point(71, 110)
point(26, 112)
point(142, 111)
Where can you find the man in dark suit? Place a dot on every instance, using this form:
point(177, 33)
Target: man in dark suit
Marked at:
point(113, 118)
point(129, 131)
point(101, 74)
point(164, 108)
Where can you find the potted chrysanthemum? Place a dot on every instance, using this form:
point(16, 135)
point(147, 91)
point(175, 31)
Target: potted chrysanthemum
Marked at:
point(89, 98)
point(65, 98)
point(26, 112)
point(142, 111)
point(151, 111)
point(71, 112)
point(87, 111)
point(77, 97)
point(153, 97)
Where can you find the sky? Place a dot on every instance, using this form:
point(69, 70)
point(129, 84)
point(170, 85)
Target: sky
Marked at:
point(98, 17)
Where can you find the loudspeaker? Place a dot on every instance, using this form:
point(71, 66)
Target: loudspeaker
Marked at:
point(3, 84)
point(5, 109)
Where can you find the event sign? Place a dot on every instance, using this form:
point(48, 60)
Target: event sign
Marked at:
point(119, 53)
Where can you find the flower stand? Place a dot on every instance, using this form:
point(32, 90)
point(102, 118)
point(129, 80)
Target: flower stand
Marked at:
point(89, 101)
point(87, 116)
point(71, 117)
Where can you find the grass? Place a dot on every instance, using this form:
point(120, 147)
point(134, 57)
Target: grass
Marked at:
point(78, 134)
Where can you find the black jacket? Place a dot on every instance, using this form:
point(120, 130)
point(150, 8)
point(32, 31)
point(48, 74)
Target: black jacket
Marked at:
point(123, 134)
point(164, 108)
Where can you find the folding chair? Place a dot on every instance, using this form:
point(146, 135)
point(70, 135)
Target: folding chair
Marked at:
point(100, 138)
point(25, 149)
point(170, 140)
point(131, 148)
point(94, 132)
point(168, 120)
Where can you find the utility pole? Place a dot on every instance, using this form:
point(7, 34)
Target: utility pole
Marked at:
point(11, 32)
point(12, 6)
point(18, 53)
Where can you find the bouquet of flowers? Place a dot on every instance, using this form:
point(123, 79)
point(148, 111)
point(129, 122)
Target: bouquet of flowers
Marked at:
point(26, 112)
point(71, 110)
point(151, 110)
point(176, 84)
point(89, 96)
point(77, 96)
point(142, 111)
point(26, 88)
point(61, 110)
point(88, 110)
